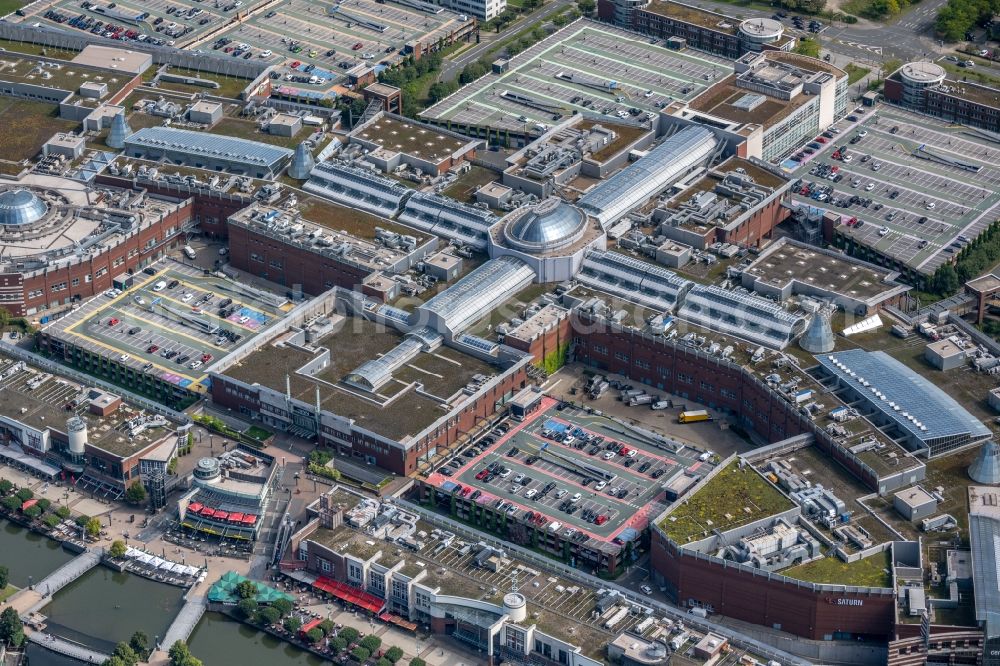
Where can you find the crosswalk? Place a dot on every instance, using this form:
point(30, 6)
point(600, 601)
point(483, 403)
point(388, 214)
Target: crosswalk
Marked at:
point(864, 47)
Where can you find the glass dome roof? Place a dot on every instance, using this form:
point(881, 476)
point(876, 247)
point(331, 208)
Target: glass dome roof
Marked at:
point(20, 207)
point(547, 226)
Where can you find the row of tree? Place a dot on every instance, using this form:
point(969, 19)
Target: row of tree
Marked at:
point(49, 514)
point(958, 17)
point(976, 258)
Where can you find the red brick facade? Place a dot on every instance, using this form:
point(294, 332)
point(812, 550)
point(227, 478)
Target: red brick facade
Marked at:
point(798, 609)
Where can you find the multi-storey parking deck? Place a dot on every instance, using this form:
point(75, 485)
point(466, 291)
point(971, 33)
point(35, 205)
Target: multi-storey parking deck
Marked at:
point(930, 188)
point(172, 325)
point(584, 68)
point(595, 488)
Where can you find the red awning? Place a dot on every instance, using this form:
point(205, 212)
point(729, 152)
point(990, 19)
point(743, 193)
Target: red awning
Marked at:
point(350, 594)
point(28, 504)
point(236, 517)
point(249, 519)
point(194, 506)
point(311, 624)
point(398, 621)
point(221, 515)
point(207, 512)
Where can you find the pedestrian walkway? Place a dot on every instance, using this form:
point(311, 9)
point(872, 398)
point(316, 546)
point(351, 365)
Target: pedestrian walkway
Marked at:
point(69, 572)
point(186, 620)
point(65, 647)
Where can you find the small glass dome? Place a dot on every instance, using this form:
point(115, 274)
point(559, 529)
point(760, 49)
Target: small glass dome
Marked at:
point(20, 207)
point(550, 225)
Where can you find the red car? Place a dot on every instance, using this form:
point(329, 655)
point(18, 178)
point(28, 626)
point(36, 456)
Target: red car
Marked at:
point(152, 349)
point(600, 520)
point(205, 358)
point(820, 139)
point(295, 65)
point(481, 475)
point(113, 322)
point(357, 46)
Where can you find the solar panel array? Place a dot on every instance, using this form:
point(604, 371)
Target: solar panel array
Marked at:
point(634, 280)
point(214, 146)
point(487, 346)
point(356, 187)
point(741, 314)
point(477, 293)
point(657, 170)
point(914, 403)
point(448, 218)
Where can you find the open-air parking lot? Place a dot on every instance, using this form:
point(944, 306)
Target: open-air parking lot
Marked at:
point(911, 187)
point(582, 68)
point(174, 323)
point(173, 22)
point(570, 467)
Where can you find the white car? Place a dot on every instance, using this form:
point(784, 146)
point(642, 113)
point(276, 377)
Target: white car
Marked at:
point(569, 440)
point(265, 54)
point(609, 455)
point(187, 297)
point(518, 478)
point(632, 453)
point(505, 473)
point(646, 589)
point(244, 320)
point(869, 187)
point(139, 300)
point(576, 498)
point(560, 493)
point(863, 133)
point(600, 485)
point(124, 357)
point(930, 205)
point(531, 493)
point(194, 365)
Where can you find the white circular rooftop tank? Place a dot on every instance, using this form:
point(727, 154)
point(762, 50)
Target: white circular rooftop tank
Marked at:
point(76, 431)
point(207, 469)
point(515, 606)
point(762, 30)
point(922, 73)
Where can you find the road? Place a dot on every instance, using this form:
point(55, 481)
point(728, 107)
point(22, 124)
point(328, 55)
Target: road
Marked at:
point(453, 67)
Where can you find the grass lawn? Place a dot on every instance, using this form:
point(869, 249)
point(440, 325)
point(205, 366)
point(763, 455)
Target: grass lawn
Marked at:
point(733, 497)
point(247, 129)
point(229, 86)
point(465, 186)
point(867, 572)
point(7, 592)
point(34, 49)
point(258, 433)
point(28, 125)
point(855, 73)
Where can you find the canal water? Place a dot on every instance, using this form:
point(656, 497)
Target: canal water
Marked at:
point(104, 607)
point(220, 641)
point(27, 555)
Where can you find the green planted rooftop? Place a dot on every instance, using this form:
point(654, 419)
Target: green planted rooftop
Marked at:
point(730, 499)
point(871, 571)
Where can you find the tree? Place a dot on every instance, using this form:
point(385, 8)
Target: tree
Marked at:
point(5, 487)
point(349, 634)
point(382, 661)
point(63, 512)
point(126, 655)
point(44, 504)
point(473, 71)
point(326, 626)
point(4, 577)
point(33, 511)
point(371, 643)
point(93, 527)
point(12, 503)
point(283, 606)
point(338, 644)
point(393, 654)
point(946, 280)
point(417, 661)
point(247, 607)
point(114, 660)
point(135, 494)
point(82, 520)
point(807, 47)
point(50, 520)
point(586, 7)
point(179, 653)
point(11, 629)
point(268, 615)
point(292, 624)
point(140, 643)
point(24, 494)
point(246, 590)
point(118, 548)
point(315, 635)
point(360, 654)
